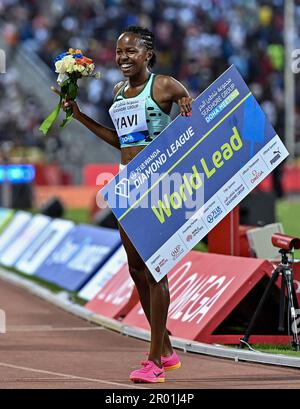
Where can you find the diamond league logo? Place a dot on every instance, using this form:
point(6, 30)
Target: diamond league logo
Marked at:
point(122, 188)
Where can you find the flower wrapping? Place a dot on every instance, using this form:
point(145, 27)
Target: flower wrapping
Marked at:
point(71, 66)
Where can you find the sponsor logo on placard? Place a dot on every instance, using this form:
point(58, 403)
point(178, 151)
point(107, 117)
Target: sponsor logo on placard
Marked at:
point(161, 264)
point(122, 188)
point(276, 157)
point(177, 251)
point(214, 214)
point(256, 174)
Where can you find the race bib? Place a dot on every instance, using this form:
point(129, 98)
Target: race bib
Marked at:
point(129, 118)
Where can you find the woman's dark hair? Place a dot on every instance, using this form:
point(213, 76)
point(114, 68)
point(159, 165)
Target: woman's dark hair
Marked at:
point(147, 37)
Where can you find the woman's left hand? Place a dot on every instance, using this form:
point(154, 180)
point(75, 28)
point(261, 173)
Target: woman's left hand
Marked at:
point(185, 105)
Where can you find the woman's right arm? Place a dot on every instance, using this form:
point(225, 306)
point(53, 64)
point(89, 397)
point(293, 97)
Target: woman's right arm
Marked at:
point(106, 134)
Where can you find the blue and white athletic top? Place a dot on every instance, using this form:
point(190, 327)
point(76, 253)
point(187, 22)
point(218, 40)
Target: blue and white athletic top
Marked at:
point(138, 120)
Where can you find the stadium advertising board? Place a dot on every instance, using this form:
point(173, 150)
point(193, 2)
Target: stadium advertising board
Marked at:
point(76, 259)
point(105, 273)
point(5, 216)
point(43, 246)
point(204, 290)
point(32, 230)
point(117, 297)
point(13, 229)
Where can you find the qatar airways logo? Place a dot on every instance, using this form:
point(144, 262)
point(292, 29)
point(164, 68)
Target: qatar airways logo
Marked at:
point(256, 174)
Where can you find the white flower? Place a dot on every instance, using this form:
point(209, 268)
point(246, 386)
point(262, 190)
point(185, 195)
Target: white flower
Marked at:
point(65, 65)
point(91, 68)
point(97, 75)
point(88, 70)
point(78, 68)
point(61, 78)
point(69, 62)
point(59, 67)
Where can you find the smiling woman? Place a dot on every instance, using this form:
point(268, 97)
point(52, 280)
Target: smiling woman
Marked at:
point(140, 111)
point(134, 51)
point(137, 116)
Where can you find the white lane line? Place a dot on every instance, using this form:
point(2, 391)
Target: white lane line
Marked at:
point(26, 380)
point(24, 368)
point(38, 328)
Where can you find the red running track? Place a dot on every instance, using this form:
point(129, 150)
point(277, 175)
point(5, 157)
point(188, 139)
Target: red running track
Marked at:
point(45, 347)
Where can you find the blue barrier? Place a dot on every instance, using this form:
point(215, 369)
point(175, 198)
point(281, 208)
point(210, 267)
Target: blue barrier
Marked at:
point(43, 245)
point(79, 256)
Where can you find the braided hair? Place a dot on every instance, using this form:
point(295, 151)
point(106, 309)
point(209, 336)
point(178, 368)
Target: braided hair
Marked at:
point(147, 38)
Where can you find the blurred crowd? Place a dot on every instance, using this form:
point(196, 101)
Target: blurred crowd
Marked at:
point(195, 42)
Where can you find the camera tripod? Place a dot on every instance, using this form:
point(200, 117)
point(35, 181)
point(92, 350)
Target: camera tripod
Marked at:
point(286, 271)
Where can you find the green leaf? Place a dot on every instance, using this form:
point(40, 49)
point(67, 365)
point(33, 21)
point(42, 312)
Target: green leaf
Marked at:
point(69, 89)
point(48, 122)
point(64, 88)
point(66, 121)
point(72, 90)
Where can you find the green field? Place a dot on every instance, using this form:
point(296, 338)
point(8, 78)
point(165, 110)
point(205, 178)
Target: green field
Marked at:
point(277, 349)
point(288, 213)
point(77, 215)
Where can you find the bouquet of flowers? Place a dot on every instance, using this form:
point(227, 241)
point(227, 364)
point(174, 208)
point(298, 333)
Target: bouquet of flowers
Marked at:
point(71, 66)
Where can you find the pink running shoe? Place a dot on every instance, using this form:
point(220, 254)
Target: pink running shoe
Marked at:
point(171, 362)
point(150, 373)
